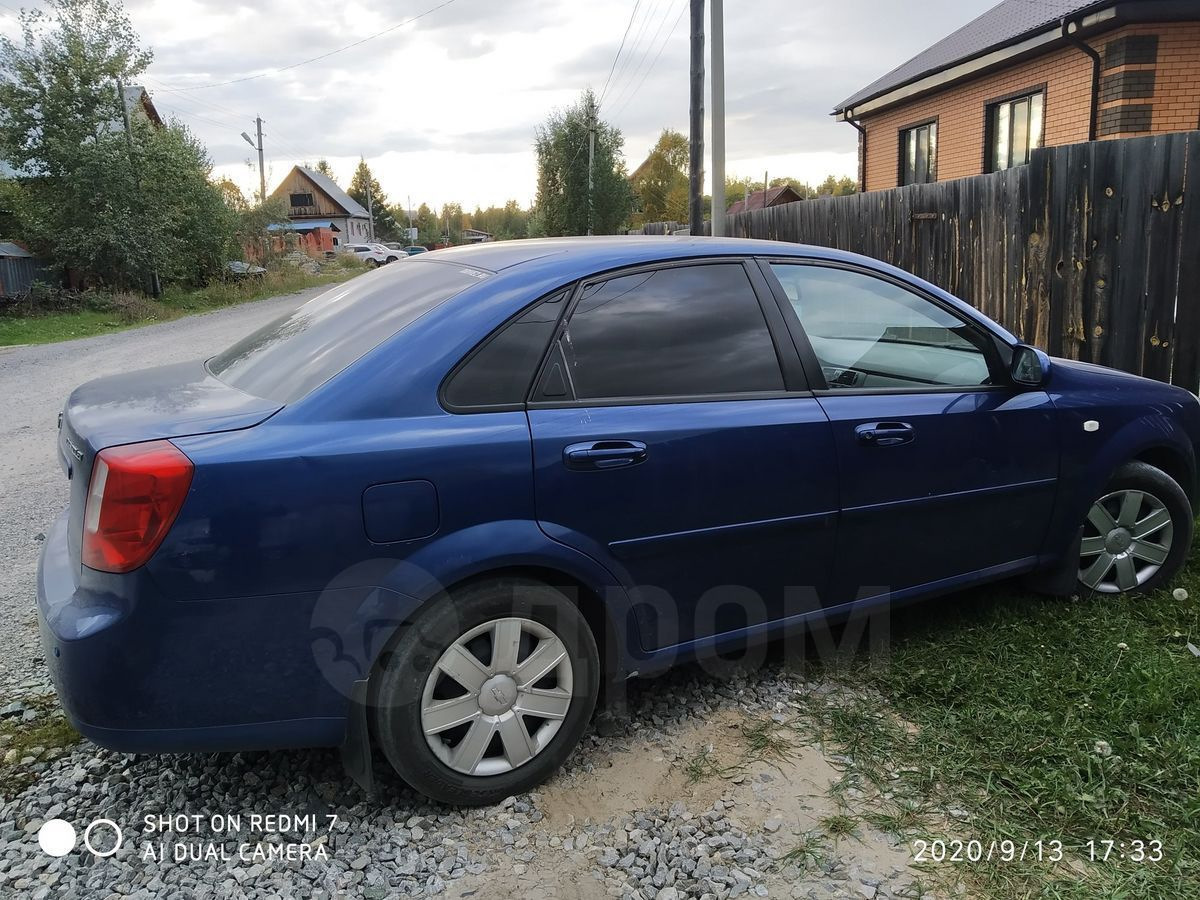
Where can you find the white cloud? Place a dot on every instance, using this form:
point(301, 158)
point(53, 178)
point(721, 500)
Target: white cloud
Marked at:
point(444, 109)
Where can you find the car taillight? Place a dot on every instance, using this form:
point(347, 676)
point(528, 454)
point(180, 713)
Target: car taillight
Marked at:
point(135, 493)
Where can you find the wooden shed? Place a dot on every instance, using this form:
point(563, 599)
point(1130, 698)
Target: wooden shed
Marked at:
point(312, 196)
point(18, 269)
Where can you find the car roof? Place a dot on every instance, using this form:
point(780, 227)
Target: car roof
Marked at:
point(561, 260)
point(597, 253)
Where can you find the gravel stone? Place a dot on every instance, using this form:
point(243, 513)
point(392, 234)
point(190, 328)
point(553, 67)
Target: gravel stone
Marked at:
point(396, 845)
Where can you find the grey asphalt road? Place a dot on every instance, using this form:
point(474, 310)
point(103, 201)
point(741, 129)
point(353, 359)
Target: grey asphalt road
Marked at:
point(34, 382)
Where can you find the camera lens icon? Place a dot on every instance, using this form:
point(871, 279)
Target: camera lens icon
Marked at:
point(57, 837)
point(102, 824)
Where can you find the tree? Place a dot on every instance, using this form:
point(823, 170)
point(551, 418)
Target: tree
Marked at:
point(58, 90)
point(502, 222)
point(324, 168)
point(118, 207)
point(400, 216)
point(735, 188)
point(452, 223)
point(429, 227)
point(661, 182)
point(386, 228)
point(562, 159)
point(837, 187)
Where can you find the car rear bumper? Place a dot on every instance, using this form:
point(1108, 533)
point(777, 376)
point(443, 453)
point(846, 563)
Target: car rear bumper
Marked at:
point(138, 672)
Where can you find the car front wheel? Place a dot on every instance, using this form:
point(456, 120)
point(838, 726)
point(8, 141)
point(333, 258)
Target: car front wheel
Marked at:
point(1137, 533)
point(488, 692)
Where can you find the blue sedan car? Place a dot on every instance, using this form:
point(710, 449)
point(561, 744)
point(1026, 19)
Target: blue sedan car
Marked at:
point(435, 509)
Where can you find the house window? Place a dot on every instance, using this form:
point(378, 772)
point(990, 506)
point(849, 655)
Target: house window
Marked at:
point(918, 154)
point(302, 199)
point(1014, 130)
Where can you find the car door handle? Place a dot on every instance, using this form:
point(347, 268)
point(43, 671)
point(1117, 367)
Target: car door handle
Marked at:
point(885, 434)
point(591, 455)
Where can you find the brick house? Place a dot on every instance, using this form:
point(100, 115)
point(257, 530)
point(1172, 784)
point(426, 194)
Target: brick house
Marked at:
point(1029, 73)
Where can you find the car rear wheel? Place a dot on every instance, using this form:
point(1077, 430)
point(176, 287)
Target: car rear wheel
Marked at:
point(488, 692)
point(1137, 533)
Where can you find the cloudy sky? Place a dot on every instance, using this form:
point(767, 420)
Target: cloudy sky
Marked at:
point(444, 107)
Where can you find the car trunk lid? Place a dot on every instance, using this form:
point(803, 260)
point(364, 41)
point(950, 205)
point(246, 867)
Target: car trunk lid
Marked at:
point(151, 404)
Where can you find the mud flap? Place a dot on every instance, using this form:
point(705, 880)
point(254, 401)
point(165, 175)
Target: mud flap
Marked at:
point(356, 749)
point(1061, 579)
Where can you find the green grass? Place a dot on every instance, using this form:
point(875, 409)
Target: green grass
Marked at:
point(766, 741)
point(840, 825)
point(809, 852)
point(50, 731)
point(123, 311)
point(702, 765)
point(1002, 715)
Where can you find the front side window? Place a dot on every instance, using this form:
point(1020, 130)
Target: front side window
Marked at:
point(1014, 131)
point(302, 199)
point(677, 332)
point(918, 154)
point(870, 333)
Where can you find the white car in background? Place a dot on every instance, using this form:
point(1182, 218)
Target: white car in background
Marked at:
point(391, 252)
point(372, 254)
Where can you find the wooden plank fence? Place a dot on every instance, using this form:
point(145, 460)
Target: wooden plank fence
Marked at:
point(1092, 251)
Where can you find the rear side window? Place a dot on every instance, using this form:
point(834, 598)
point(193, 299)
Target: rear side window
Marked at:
point(684, 331)
point(286, 359)
point(500, 371)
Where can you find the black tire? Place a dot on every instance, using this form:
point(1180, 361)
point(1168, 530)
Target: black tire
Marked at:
point(399, 685)
point(1143, 477)
point(372, 264)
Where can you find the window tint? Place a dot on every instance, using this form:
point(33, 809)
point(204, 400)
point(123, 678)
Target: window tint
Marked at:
point(674, 332)
point(499, 373)
point(286, 359)
point(868, 332)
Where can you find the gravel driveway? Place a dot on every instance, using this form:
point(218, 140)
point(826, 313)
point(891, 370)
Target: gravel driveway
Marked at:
point(662, 802)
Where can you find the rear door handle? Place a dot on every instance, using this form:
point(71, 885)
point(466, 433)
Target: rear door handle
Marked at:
point(592, 455)
point(885, 434)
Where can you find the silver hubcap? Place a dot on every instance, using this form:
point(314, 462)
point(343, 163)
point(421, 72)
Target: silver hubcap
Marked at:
point(1126, 539)
point(497, 696)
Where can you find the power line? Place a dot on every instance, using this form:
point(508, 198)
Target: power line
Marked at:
point(217, 107)
point(624, 92)
point(628, 25)
point(662, 47)
point(203, 115)
point(179, 110)
point(285, 146)
point(305, 62)
point(624, 68)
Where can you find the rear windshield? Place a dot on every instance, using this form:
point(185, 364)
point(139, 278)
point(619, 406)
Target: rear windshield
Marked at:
point(286, 359)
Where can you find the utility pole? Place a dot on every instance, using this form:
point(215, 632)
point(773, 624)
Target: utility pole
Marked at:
point(370, 214)
point(262, 172)
point(591, 161)
point(125, 116)
point(411, 240)
point(155, 284)
point(696, 156)
point(718, 117)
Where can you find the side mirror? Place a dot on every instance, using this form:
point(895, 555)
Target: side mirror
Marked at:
point(1030, 366)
